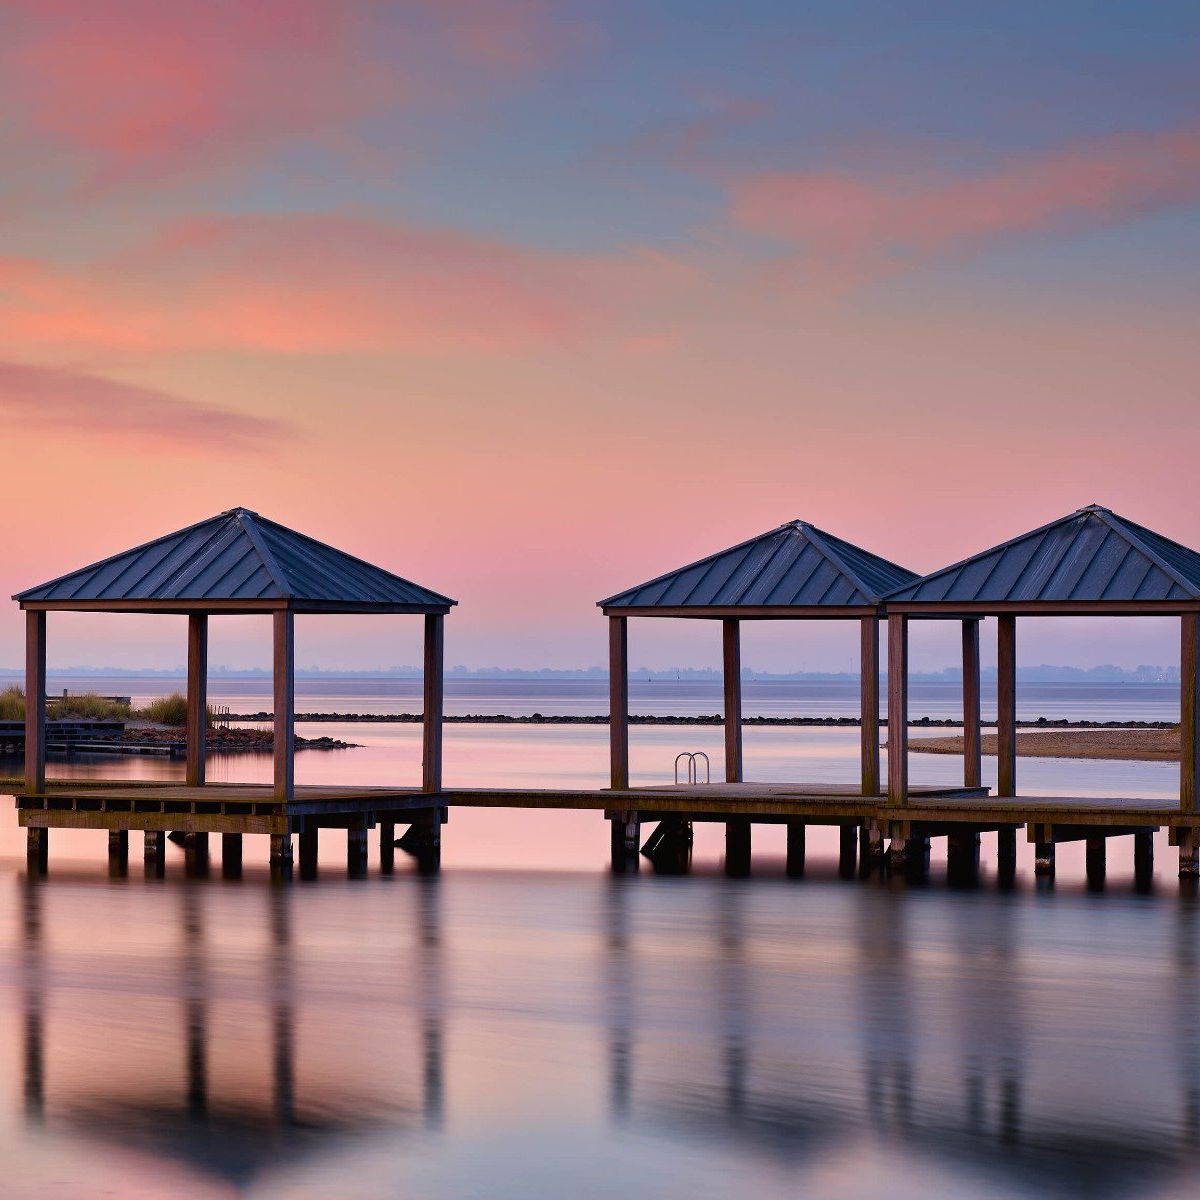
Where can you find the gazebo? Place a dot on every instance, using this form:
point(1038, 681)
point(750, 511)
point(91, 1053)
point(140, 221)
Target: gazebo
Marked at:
point(234, 563)
point(793, 572)
point(1092, 562)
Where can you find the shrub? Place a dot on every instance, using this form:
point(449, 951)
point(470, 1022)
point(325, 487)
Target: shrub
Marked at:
point(89, 706)
point(12, 704)
point(166, 710)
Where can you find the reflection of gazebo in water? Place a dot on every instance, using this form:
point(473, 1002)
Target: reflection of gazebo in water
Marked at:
point(795, 572)
point(233, 563)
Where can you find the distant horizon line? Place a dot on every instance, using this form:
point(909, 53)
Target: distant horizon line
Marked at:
point(1040, 673)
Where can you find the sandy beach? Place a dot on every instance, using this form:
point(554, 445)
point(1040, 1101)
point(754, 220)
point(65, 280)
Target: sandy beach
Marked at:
point(1132, 744)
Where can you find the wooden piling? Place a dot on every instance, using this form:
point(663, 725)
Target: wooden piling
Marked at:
point(1095, 860)
point(972, 734)
point(962, 854)
point(431, 761)
point(618, 702)
point(847, 851)
point(387, 847)
point(1189, 854)
point(1006, 854)
point(231, 855)
point(197, 697)
point(308, 854)
point(795, 848)
point(897, 709)
point(35, 701)
point(281, 856)
point(37, 851)
point(154, 853)
point(737, 847)
point(195, 855)
point(118, 853)
point(1006, 705)
point(731, 657)
point(1043, 859)
point(284, 673)
point(624, 840)
point(868, 704)
point(1143, 858)
point(356, 852)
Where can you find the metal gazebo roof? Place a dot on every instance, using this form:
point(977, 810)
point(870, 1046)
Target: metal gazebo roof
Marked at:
point(793, 570)
point(236, 561)
point(1090, 560)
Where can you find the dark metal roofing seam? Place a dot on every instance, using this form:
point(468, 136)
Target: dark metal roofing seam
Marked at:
point(817, 538)
point(780, 544)
point(178, 580)
point(264, 551)
point(1116, 569)
point(725, 567)
point(784, 558)
point(713, 563)
point(1129, 530)
point(1070, 563)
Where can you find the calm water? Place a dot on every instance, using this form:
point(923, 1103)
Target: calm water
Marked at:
point(528, 1026)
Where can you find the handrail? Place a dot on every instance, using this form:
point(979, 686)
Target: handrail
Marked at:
point(693, 772)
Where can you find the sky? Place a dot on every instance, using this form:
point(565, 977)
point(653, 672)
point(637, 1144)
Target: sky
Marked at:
point(530, 301)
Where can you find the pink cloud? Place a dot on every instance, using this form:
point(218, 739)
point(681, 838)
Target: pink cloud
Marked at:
point(862, 218)
point(138, 86)
point(327, 284)
point(70, 404)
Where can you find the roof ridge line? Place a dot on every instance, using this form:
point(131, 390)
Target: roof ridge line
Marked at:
point(256, 538)
point(819, 541)
point(1117, 523)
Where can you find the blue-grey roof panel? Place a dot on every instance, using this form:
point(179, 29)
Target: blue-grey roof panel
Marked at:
point(1091, 555)
point(237, 555)
point(793, 566)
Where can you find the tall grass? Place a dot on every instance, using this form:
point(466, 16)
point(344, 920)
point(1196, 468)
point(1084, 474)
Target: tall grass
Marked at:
point(12, 704)
point(169, 710)
point(89, 706)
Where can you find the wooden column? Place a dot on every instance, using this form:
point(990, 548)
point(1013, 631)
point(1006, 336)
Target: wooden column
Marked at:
point(795, 848)
point(897, 708)
point(118, 853)
point(1189, 714)
point(1006, 706)
point(197, 697)
point(431, 737)
point(356, 852)
point(618, 701)
point(308, 854)
point(154, 853)
point(972, 738)
point(35, 701)
point(231, 855)
point(869, 704)
point(387, 847)
point(285, 704)
point(731, 658)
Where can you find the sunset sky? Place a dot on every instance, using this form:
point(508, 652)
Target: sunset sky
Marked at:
point(532, 301)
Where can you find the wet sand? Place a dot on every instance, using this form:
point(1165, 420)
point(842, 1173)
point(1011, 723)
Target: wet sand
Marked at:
point(1130, 744)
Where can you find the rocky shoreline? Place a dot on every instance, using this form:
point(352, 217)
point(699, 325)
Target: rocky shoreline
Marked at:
point(226, 740)
point(706, 719)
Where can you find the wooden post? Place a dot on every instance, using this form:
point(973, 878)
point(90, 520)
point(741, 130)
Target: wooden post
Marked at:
point(35, 701)
point(625, 831)
point(284, 666)
point(897, 709)
point(737, 847)
point(195, 855)
point(847, 851)
point(308, 854)
point(431, 743)
point(356, 852)
point(731, 656)
point(231, 856)
point(869, 703)
point(1189, 714)
point(37, 850)
point(618, 702)
point(1006, 706)
point(972, 739)
point(154, 853)
point(197, 697)
point(118, 853)
point(1143, 858)
point(281, 856)
point(795, 848)
point(387, 847)
point(1095, 855)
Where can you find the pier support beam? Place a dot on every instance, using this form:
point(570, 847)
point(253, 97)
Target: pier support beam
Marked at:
point(618, 702)
point(154, 853)
point(197, 697)
point(625, 833)
point(195, 855)
point(972, 736)
point(795, 848)
point(423, 840)
point(308, 854)
point(1043, 859)
point(847, 851)
point(1143, 859)
point(356, 853)
point(231, 855)
point(871, 855)
point(1006, 706)
point(669, 846)
point(1189, 854)
point(731, 658)
point(1096, 861)
point(431, 758)
point(387, 847)
point(868, 697)
point(281, 856)
point(1006, 854)
point(35, 702)
point(284, 668)
point(118, 853)
point(909, 855)
point(1189, 714)
point(737, 847)
point(962, 855)
point(897, 709)
point(37, 851)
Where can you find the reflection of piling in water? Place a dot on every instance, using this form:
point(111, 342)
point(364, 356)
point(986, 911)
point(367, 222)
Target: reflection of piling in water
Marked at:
point(733, 998)
point(1187, 928)
point(432, 1002)
point(618, 997)
point(195, 1004)
point(33, 1073)
point(283, 1025)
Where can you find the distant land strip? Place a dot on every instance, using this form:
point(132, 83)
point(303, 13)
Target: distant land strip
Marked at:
point(650, 719)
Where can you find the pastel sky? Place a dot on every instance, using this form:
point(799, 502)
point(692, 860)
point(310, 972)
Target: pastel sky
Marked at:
point(530, 301)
